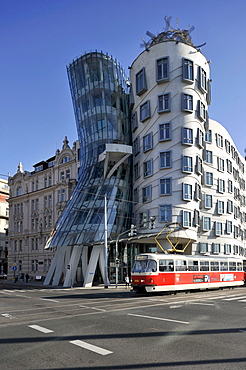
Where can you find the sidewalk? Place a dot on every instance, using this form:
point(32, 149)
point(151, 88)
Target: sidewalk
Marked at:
point(39, 284)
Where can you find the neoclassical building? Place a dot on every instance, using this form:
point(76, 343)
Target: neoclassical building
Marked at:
point(4, 219)
point(37, 200)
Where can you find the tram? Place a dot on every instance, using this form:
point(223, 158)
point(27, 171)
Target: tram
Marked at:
point(153, 272)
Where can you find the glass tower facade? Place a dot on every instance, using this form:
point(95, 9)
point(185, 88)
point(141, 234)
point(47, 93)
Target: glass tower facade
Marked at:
point(101, 104)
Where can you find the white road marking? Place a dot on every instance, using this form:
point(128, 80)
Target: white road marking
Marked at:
point(90, 347)
point(49, 299)
point(8, 315)
point(234, 298)
point(203, 304)
point(159, 318)
point(40, 328)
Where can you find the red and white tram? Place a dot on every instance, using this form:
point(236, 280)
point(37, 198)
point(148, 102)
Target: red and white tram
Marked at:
point(153, 272)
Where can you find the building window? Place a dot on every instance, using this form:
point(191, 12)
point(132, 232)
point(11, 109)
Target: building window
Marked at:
point(187, 192)
point(148, 168)
point(166, 159)
point(198, 165)
point(209, 178)
point(19, 191)
point(216, 247)
point(165, 213)
point(146, 191)
point(145, 111)
point(162, 70)
point(68, 174)
point(166, 186)
point(164, 131)
point(200, 138)
point(220, 207)
point(203, 247)
point(229, 206)
point(136, 171)
point(208, 136)
point(187, 102)
point(186, 219)
point(148, 142)
point(228, 227)
point(134, 121)
point(227, 146)
point(198, 192)
point(230, 186)
point(136, 146)
point(141, 85)
point(196, 221)
point(221, 186)
point(187, 164)
point(201, 111)
point(208, 201)
point(227, 248)
point(209, 156)
point(229, 165)
point(97, 216)
point(218, 228)
point(164, 103)
point(219, 140)
point(65, 159)
point(188, 73)
point(206, 223)
point(221, 164)
point(202, 80)
point(135, 195)
point(187, 136)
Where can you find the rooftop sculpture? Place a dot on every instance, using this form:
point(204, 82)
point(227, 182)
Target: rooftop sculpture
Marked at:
point(169, 33)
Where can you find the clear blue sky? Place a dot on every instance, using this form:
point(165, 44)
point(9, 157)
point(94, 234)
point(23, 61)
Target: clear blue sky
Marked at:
point(38, 38)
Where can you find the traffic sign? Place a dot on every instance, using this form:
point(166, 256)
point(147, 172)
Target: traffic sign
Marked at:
point(14, 268)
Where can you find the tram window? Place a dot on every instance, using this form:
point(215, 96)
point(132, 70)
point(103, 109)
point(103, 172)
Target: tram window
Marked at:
point(144, 266)
point(166, 265)
point(180, 265)
point(239, 266)
point(204, 265)
point(152, 266)
point(214, 265)
point(224, 266)
point(193, 265)
point(232, 266)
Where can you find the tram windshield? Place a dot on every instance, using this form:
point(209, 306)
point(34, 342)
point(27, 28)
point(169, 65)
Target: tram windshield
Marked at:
point(144, 266)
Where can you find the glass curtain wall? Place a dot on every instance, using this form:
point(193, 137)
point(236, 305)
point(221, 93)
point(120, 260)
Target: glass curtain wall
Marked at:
point(101, 105)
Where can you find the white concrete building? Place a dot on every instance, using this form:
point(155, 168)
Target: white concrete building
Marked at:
point(37, 199)
point(186, 168)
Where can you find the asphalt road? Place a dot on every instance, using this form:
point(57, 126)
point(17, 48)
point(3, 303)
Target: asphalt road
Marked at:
point(115, 329)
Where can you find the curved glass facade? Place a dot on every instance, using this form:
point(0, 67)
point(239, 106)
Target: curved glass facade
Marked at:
point(101, 105)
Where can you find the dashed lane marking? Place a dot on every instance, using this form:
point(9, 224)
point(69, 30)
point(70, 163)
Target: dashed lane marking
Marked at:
point(40, 328)
point(158, 318)
point(90, 347)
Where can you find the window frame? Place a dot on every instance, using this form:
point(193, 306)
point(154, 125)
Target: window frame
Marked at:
point(145, 108)
point(166, 130)
point(162, 73)
point(187, 102)
point(141, 83)
point(164, 103)
point(165, 158)
point(167, 183)
point(187, 70)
